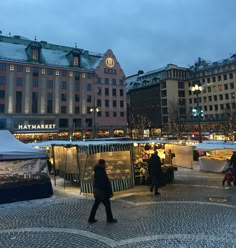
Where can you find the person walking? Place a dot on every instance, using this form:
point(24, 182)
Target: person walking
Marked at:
point(155, 171)
point(102, 192)
point(232, 164)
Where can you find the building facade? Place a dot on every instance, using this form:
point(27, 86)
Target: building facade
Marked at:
point(49, 91)
point(174, 101)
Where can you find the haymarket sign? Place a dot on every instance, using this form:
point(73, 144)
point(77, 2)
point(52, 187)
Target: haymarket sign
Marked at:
point(36, 126)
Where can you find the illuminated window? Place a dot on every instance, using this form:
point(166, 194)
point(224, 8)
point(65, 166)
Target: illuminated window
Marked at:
point(12, 68)
point(43, 71)
point(27, 69)
point(35, 54)
point(76, 61)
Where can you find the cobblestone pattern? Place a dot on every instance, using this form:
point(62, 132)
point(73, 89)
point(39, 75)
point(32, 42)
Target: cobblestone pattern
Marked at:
point(181, 217)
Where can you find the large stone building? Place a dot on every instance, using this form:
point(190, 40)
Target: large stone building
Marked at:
point(165, 98)
point(50, 91)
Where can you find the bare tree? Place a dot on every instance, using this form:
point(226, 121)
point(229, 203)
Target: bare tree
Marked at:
point(177, 124)
point(139, 122)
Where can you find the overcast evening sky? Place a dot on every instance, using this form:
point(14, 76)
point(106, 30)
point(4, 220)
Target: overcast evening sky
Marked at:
point(143, 34)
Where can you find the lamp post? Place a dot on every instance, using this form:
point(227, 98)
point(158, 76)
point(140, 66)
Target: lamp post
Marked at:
point(197, 89)
point(94, 110)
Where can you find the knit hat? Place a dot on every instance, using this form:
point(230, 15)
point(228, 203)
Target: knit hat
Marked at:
point(101, 161)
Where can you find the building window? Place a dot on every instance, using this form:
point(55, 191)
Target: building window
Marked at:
point(232, 95)
point(57, 73)
point(122, 104)
point(77, 123)
point(114, 114)
point(113, 81)
point(221, 106)
point(213, 79)
point(99, 91)
point(77, 75)
point(63, 109)
point(35, 83)
point(19, 81)
point(107, 103)
point(43, 71)
point(106, 80)
point(231, 86)
point(2, 94)
point(208, 89)
point(99, 80)
point(76, 110)
point(221, 97)
point(231, 75)
point(215, 97)
point(63, 123)
point(12, 67)
point(226, 86)
point(50, 71)
point(89, 87)
point(50, 84)
point(71, 74)
point(114, 103)
point(34, 102)
point(2, 80)
point(83, 75)
point(106, 91)
point(49, 103)
point(226, 96)
point(64, 73)
point(209, 98)
point(63, 97)
point(225, 76)
point(76, 61)
point(76, 97)
point(113, 92)
point(35, 54)
point(2, 108)
point(19, 68)
point(89, 98)
point(122, 114)
point(106, 114)
point(121, 92)
point(3, 67)
point(99, 103)
point(63, 85)
point(77, 87)
point(219, 78)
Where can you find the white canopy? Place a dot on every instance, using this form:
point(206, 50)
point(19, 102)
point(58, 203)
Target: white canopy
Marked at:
point(13, 149)
point(215, 146)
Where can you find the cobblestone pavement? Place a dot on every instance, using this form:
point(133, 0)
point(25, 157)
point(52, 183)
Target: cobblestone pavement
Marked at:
point(194, 211)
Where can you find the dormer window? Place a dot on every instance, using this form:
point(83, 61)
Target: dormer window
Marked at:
point(35, 54)
point(76, 61)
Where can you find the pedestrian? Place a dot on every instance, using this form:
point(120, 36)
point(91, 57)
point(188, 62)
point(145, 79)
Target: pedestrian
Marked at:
point(232, 164)
point(102, 192)
point(155, 172)
point(228, 177)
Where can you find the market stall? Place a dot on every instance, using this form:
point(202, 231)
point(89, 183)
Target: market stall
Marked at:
point(76, 160)
point(216, 156)
point(23, 170)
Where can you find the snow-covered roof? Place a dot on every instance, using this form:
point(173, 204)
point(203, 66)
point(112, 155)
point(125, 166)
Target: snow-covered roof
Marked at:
point(215, 146)
point(15, 49)
point(13, 149)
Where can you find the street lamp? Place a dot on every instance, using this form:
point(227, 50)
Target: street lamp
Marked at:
point(197, 89)
point(94, 110)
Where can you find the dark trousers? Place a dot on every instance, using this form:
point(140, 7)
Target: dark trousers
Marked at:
point(154, 184)
point(106, 202)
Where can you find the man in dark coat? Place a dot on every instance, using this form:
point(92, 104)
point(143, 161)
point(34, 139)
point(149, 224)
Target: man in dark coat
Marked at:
point(102, 192)
point(155, 171)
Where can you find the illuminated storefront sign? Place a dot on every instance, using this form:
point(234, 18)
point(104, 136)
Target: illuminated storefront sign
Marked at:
point(37, 126)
